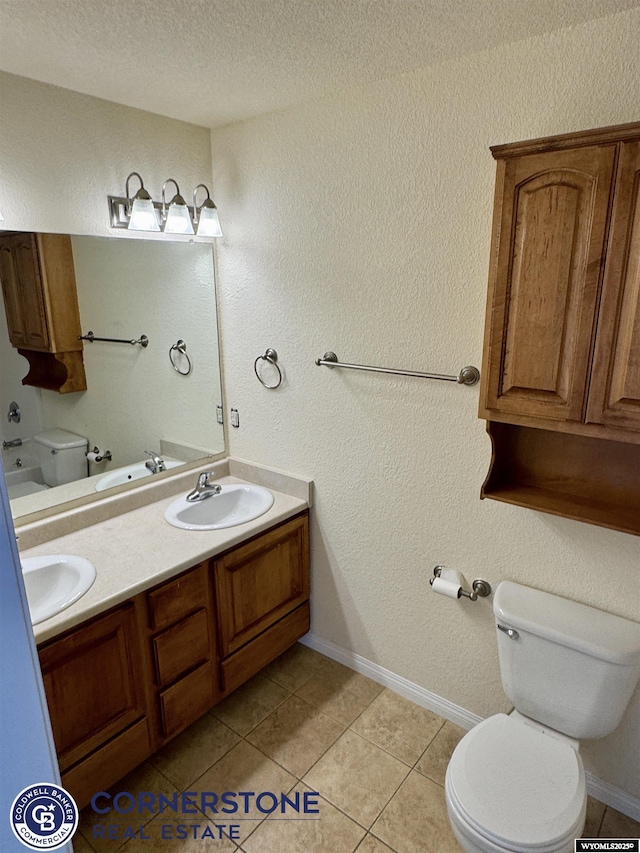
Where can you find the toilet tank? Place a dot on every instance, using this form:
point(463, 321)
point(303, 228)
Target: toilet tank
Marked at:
point(571, 667)
point(62, 456)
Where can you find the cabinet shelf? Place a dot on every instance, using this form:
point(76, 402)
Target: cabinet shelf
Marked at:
point(586, 479)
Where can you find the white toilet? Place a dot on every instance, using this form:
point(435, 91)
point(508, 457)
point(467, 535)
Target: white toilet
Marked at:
point(516, 784)
point(62, 456)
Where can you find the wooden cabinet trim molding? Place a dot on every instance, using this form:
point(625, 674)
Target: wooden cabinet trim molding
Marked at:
point(598, 136)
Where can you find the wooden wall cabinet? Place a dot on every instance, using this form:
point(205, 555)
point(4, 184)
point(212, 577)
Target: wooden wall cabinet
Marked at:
point(561, 377)
point(43, 320)
point(123, 684)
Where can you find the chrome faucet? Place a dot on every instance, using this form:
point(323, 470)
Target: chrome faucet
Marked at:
point(16, 442)
point(204, 489)
point(156, 463)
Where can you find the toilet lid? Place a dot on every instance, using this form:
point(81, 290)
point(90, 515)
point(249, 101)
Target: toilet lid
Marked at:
point(516, 785)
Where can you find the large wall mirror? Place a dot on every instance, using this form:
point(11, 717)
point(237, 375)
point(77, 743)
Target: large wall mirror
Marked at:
point(135, 398)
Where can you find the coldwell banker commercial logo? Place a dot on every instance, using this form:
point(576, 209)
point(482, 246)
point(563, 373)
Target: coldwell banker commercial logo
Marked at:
point(44, 816)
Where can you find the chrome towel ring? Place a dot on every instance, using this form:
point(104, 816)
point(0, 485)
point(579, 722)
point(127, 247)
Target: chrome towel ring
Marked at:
point(271, 356)
point(180, 347)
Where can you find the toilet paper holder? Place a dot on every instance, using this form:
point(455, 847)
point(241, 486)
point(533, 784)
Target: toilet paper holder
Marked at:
point(479, 588)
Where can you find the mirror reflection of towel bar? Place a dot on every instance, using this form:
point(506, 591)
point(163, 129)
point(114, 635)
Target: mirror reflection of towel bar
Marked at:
point(143, 340)
point(468, 375)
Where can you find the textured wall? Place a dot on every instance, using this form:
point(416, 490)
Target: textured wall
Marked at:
point(62, 153)
point(361, 223)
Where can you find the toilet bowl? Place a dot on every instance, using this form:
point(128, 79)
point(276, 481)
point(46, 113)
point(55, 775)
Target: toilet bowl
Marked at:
point(516, 783)
point(512, 789)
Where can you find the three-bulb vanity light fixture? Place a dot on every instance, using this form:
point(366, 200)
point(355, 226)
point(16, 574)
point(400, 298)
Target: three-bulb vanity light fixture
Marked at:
point(141, 213)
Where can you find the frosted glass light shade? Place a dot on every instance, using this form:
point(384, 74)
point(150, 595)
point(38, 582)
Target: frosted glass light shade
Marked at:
point(209, 223)
point(143, 216)
point(178, 220)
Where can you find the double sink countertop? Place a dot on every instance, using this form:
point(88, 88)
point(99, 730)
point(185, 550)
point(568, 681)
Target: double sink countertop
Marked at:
point(137, 549)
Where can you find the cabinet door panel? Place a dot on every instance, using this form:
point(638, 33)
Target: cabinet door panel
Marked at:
point(258, 583)
point(614, 395)
point(93, 684)
point(550, 245)
point(11, 294)
point(31, 293)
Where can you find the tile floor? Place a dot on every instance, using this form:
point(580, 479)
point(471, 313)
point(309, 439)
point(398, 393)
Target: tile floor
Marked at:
point(308, 723)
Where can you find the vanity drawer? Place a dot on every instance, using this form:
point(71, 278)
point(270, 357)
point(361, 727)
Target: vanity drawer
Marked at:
point(182, 647)
point(187, 700)
point(176, 599)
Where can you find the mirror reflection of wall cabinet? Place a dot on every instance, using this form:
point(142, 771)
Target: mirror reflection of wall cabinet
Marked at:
point(561, 378)
point(41, 303)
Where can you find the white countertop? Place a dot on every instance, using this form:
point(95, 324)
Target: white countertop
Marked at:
point(139, 549)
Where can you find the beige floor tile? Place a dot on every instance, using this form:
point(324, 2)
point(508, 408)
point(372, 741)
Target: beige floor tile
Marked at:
point(371, 844)
point(81, 845)
point(185, 836)
point(433, 763)
point(595, 813)
point(244, 768)
point(333, 832)
point(296, 735)
point(415, 821)
point(143, 778)
point(297, 665)
point(618, 825)
point(357, 777)
point(250, 704)
point(339, 692)
point(187, 757)
point(399, 726)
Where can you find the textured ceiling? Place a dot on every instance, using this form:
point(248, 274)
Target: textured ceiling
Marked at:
point(214, 61)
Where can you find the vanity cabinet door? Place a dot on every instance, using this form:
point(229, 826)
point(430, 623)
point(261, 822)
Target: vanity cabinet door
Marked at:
point(93, 683)
point(260, 582)
point(550, 233)
point(614, 395)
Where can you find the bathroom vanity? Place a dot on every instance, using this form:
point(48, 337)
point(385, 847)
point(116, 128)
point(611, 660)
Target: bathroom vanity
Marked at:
point(175, 621)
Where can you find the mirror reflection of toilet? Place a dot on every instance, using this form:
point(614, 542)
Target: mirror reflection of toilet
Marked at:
point(516, 783)
point(62, 456)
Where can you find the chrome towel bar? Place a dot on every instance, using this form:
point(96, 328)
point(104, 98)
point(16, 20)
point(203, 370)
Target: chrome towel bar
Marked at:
point(468, 375)
point(143, 340)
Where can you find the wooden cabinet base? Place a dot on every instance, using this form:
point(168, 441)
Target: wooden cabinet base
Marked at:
point(586, 479)
point(240, 666)
point(109, 763)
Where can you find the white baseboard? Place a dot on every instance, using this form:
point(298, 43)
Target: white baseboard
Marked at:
point(598, 788)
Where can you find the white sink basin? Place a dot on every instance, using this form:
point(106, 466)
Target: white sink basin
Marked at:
point(55, 582)
point(235, 504)
point(128, 474)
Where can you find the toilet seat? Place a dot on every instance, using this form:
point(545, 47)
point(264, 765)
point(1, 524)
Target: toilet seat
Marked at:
point(516, 787)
